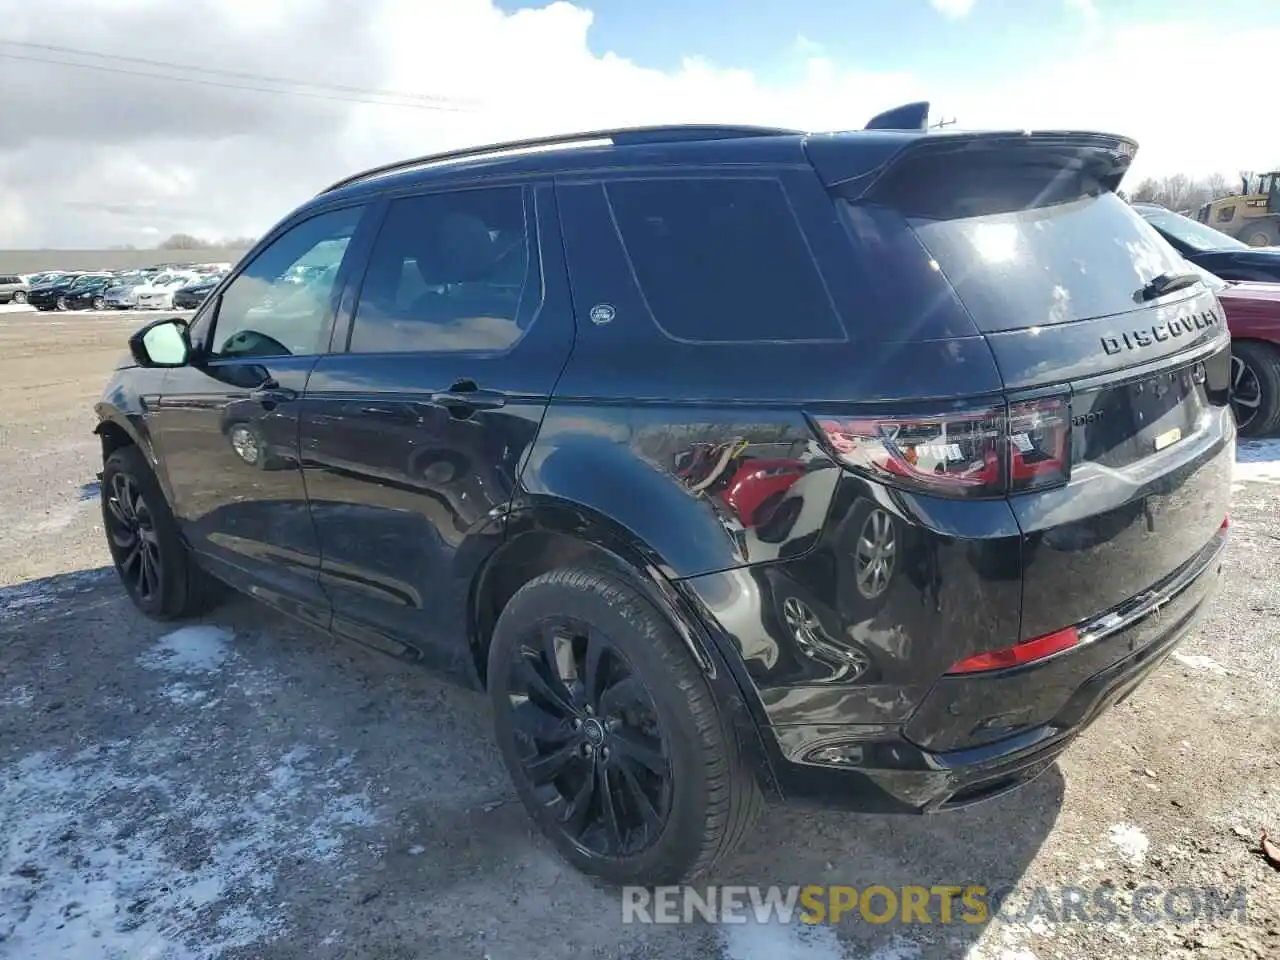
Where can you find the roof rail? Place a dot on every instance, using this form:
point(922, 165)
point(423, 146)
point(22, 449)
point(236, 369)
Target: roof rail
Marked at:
point(621, 136)
point(909, 116)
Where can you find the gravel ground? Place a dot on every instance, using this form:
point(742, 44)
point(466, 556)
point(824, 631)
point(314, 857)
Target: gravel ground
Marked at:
point(243, 787)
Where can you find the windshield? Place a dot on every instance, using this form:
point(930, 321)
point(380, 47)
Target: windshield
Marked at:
point(1197, 236)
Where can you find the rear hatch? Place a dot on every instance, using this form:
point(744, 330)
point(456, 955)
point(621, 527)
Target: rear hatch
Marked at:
point(1119, 431)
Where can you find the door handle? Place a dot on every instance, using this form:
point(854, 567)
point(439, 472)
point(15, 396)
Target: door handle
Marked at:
point(466, 395)
point(271, 393)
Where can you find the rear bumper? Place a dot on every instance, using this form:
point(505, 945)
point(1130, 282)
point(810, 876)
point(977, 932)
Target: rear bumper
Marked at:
point(891, 768)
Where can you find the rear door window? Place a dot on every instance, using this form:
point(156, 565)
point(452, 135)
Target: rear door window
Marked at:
point(722, 260)
point(1052, 264)
point(449, 272)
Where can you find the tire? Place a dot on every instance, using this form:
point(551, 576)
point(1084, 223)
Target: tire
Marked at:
point(99, 303)
point(135, 512)
point(1257, 409)
point(654, 707)
point(1264, 233)
point(61, 304)
point(19, 296)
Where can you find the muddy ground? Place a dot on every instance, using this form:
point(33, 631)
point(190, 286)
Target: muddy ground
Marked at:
point(244, 787)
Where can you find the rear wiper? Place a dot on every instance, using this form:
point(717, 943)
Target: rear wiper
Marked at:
point(1167, 283)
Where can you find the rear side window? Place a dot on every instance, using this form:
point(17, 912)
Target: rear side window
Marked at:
point(1052, 264)
point(722, 260)
point(448, 272)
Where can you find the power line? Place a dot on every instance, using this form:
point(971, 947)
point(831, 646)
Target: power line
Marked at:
point(235, 75)
point(233, 86)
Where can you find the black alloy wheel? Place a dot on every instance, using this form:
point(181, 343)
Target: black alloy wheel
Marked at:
point(133, 539)
point(588, 737)
point(1255, 387)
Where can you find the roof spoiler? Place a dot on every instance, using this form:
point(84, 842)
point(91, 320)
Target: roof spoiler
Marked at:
point(909, 116)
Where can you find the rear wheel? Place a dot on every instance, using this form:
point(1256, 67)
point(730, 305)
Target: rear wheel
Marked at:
point(150, 557)
point(19, 296)
point(611, 733)
point(99, 303)
point(1255, 387)
point(62, 303)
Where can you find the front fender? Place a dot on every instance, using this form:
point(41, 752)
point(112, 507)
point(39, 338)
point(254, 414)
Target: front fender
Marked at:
point(123, 415)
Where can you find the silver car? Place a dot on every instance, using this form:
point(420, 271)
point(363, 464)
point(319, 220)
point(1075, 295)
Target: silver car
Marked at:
point(13, 289)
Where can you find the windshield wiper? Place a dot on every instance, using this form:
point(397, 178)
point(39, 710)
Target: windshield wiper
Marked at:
point(1167, 283)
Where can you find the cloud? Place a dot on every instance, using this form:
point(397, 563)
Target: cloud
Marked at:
point(89, 157)
point(1084, 8)
point(952, 9)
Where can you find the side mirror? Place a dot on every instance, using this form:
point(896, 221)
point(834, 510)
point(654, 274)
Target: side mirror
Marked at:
point(164, 343)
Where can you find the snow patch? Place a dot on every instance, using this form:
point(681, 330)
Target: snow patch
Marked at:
point(17, 697)
point(1200, 662)
point(1131, 841)
point(199, 649)
point(110, 852)
point(1001, 941)
point(1258, 461)
point(775, 941)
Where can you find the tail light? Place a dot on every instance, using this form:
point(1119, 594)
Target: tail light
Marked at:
point(1020, 653)
point(975, 452)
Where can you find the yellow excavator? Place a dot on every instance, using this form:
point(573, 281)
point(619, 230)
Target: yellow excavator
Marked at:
point(1253, 215)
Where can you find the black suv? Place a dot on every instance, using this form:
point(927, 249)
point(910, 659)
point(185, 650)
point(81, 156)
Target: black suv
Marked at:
point(732, 462)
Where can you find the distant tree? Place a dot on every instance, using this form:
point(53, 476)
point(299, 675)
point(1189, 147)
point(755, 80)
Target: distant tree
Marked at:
point(1182, 192)
point(238, 243)
point(182, 241)
point(122, 246)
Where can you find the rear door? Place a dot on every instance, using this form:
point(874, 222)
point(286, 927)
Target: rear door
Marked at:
point(415, 428)
point(1122, 463)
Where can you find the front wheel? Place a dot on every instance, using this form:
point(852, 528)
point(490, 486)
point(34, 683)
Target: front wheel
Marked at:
point(611, 733)
point(99, 303)
point(1264, 233)
point(1255, 387)
point(62, 304)
point(19, 296)
point(150, 557)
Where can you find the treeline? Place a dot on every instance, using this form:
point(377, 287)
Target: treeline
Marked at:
point(1183, 193)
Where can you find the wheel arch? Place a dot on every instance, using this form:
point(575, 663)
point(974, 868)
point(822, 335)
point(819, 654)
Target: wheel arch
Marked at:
point(546, 533)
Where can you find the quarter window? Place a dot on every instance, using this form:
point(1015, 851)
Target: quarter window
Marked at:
point(449, 272)
point(723, 260)
point(283, 302)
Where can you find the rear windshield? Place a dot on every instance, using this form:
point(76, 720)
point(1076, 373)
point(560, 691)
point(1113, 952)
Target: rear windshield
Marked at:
point(1076, 260)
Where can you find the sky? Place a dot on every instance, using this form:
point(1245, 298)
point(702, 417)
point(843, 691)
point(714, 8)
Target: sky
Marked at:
point(217, 117)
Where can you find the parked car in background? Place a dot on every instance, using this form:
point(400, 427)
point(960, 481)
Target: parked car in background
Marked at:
point(13, 288)
point(1224, 256)
point(90, 292)
point(120, 294)
point(52, 295)
point(193, 294)
point(158, 293)
point(1253, 317)
point(868, 468)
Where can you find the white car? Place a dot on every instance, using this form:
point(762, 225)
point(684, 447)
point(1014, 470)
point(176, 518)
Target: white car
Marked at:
point(158, 294)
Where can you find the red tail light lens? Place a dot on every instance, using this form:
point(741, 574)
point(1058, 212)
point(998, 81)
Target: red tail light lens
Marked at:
point(981, 452)
point(1019, 653)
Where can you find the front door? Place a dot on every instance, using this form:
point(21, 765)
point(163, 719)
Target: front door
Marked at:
point(412, 439)
point(227, 424)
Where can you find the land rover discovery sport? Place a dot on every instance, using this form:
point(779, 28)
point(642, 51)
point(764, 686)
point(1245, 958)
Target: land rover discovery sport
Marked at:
point(732, 462)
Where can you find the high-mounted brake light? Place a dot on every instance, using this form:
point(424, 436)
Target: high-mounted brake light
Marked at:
point(1019, 653)
point(981, 452)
